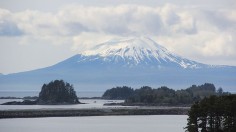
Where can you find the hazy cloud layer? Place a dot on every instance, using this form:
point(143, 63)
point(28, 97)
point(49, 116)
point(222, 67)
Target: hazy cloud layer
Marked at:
point(206, 35)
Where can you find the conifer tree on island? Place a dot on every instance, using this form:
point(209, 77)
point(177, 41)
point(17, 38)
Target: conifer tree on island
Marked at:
point(57, 92)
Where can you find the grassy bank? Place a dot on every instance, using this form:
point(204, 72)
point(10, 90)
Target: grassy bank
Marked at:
point(91, 112)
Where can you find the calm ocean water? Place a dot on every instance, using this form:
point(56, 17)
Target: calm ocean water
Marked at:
point(36, 93)
point(89, 104)
point(153, 123)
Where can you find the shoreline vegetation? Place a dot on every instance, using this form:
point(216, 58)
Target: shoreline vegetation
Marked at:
point(163, 96)
point(94, 112)
point(36, 97)
point(59, 92)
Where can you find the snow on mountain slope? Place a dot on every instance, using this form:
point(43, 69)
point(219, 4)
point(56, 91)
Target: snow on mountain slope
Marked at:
point(139, 50)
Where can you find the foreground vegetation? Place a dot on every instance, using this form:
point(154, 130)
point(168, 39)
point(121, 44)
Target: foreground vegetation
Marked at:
point(163, 95)
point(213, 114)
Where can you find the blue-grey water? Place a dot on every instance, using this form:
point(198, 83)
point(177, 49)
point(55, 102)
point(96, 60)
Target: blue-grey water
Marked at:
point(153, 123)
point(88, 104)
point(36, 93)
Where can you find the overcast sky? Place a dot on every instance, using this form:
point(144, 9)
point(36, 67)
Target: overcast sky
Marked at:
point(36, 34)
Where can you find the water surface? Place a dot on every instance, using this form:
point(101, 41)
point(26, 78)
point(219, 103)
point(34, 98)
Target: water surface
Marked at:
point(89, 103)
point(153, 123)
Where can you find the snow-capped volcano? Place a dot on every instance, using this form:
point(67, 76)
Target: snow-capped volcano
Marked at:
point(133, 62)
point(139, 50)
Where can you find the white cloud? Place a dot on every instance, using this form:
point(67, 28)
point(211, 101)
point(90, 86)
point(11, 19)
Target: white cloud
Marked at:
point(8, 27)
point(221, 45)
point(195, 32)
point(88, 40)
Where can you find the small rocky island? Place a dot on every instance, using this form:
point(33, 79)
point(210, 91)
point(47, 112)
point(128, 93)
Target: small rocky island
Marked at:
point(57, 92)
point(53, 93)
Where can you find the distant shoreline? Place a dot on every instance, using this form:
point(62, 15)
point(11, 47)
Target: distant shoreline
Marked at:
point(30, 97)
point(34, 113)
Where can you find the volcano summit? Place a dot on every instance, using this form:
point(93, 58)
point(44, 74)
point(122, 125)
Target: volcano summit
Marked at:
point(139, 51)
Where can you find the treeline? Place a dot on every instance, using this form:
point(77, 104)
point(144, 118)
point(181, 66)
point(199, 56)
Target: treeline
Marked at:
point(213, 114)
point(163, 95)
point(118, 93)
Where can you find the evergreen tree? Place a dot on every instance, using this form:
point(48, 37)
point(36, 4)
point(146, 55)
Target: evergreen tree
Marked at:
point(213, 114)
